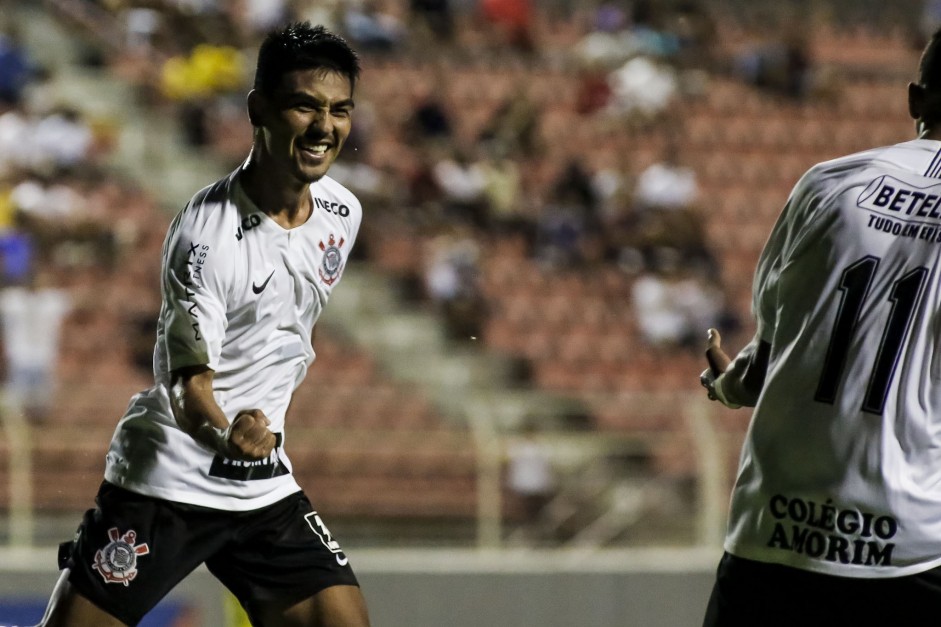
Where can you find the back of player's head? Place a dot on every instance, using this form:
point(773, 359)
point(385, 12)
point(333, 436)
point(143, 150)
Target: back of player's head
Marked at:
point(929, 67)
point(300, 46)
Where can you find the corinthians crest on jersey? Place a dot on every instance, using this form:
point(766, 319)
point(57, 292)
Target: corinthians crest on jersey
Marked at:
point(117, 561)
point(332, 263)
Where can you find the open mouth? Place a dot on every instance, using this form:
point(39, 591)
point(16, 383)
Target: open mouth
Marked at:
point(314, 151)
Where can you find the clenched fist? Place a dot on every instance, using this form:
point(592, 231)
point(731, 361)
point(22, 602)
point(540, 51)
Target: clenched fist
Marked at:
point(248, 438)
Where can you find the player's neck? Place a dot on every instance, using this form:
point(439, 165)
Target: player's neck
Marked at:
point(930, 133)
point(288, 204)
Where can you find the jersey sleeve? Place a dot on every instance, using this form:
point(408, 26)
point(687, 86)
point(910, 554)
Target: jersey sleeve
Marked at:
point(791, 229)
point(195, 280)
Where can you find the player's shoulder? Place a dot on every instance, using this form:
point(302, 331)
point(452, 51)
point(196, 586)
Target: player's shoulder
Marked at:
point(835, 174)
point(210, 208)
point(909, 156)
point(330, 190)
point(847, 163)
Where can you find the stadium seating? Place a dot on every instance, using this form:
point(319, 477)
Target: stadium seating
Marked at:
point(369, 447)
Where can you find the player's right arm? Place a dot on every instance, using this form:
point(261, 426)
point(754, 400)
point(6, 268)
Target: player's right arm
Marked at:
point(738, 382)
point(735, 382)
point(196, 411)
point(196, 281)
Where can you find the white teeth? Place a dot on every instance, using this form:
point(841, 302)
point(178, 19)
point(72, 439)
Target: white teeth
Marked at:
point(319, 149)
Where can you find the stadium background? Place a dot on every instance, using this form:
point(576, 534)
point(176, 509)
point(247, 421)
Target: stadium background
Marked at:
point(466, 323)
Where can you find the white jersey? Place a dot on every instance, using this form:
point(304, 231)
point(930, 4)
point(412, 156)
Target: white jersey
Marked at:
point(841, 469)
point(241, 295)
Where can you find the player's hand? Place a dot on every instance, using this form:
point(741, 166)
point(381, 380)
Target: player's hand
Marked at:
point(248, 438)
point(718, 362)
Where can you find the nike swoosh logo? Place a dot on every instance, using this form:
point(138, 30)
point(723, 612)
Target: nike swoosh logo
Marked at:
point(343, 561)
point(258, 289)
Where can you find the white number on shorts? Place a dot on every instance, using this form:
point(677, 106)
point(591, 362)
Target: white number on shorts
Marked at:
point(317, 526)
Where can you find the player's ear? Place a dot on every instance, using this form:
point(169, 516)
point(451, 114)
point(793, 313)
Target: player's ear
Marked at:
point(256, 107)
point(916, 101)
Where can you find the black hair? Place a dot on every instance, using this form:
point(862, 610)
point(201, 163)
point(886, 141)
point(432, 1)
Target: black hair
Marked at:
point(929, 67)
point(301, 46)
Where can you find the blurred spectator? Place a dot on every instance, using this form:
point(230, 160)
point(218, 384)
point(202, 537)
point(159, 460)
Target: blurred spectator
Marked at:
point(782, 67)
point(261, 16)
point(594, 92)
point(371, 28)
point(503, 192)
point(15, 68)
point(67, 229)
point(461, 180)
point(645, 14)
point(195, 80)
point(666, 214)
point(610, 17)
point(575, 179)
point(15, 140)
point(530, 475)
point(695, 29)
point(514, 125)
point(612, 188)
point(643, 87)
point(430, 118)
point(673, 301)
point(32, 318)
point(354, 170)
point(62, 139)
point(142, 25)
point(667, 184)
point(326, 12)
point(361, 135)
point(618, 37)
point(513, 20)
point(560, 231)
point(567, 224)
point(42, 201)
point(435, 16)
point(452, 281)
point(424, 193)
point(16, 256)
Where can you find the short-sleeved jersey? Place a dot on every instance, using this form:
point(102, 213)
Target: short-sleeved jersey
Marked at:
point(241, 295)
point(840, 472)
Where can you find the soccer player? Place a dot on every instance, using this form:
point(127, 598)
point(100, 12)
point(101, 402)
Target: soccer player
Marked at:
point(835, 517)
point(197, 471)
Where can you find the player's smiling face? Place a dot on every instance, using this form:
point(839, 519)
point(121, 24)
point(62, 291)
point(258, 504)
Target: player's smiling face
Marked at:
point(306, 122)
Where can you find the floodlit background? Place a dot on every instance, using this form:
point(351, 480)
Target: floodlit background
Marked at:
point(504, 424)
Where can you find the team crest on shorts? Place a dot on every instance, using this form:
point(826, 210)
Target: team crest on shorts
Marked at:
point(332, 263)
point(117, 561)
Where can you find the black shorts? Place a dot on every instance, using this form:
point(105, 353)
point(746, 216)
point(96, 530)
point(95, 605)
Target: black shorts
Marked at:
point(131, 550)
point(751, 594)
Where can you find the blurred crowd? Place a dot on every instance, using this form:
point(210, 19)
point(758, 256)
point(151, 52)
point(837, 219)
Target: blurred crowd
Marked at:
point(462, 173)
point(495, 142)
point(66, 224)
point(477, 122)
point(458, 163)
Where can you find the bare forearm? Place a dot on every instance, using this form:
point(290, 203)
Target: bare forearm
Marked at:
point(196, 410)
point(198, 414)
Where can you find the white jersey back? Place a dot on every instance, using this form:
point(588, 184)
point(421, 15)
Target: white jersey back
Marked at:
point(241, 295)
point(841, 469)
